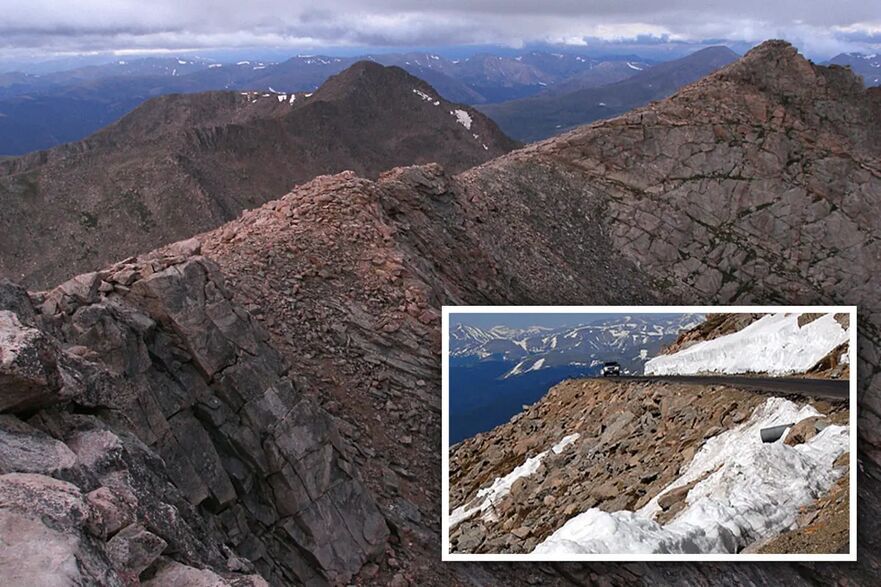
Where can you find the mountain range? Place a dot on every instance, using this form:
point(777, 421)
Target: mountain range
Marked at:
point(628, 340)
point(539, 117)
point(185, 163)
point(756, 184)
point(41, 111)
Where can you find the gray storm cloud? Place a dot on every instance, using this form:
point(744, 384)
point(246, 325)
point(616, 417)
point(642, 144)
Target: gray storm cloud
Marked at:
point(101, 25)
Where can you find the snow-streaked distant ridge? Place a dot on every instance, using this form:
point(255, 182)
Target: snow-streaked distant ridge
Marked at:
point(624, 338)
point(774, 344)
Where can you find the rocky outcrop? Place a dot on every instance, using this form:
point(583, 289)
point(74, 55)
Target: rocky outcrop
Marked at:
point(157, 421)
point(29, 372)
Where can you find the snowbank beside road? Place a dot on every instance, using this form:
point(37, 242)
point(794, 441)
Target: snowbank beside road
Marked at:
point(749, 491)
point(774, 344)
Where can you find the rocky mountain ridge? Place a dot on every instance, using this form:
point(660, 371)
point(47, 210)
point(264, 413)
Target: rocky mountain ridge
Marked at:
point(183, 164)
point(537, 225)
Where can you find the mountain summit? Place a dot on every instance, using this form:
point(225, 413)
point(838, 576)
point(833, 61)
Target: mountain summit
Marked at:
point(181, 164)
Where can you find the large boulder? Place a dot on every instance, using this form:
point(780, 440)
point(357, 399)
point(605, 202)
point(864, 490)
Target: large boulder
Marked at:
point(46, 534)
point(25, 449)
point(29, 376)
point(804, 430)
point(134, 549)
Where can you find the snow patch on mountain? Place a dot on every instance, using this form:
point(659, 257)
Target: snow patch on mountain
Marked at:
point(462, 117)
point(751, 491)
point(501, 486)
point(774, 344)
point(426, 97)
point(520, 368)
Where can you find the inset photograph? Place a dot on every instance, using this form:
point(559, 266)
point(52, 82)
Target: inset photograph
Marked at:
point(629, 433)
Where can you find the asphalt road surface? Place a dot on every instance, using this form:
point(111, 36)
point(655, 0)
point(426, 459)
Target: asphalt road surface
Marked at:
point(832, 389)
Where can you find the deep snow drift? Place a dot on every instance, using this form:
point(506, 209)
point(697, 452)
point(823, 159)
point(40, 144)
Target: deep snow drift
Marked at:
point(752, 491)
point(774, 344)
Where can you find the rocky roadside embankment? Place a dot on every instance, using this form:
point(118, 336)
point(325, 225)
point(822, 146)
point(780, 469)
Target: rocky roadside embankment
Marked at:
point(613, 446)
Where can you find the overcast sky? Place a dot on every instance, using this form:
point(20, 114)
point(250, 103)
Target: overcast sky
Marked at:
point(818, 27)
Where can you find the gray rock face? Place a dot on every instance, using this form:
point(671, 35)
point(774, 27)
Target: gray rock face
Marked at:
point(25, 449)
point(134, 549)
point(29, 376)
point(194, 441)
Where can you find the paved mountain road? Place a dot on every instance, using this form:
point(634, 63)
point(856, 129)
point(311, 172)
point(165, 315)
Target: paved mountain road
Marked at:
point(832, 389)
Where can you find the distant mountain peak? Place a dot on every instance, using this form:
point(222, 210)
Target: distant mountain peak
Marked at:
point(716, 50)
point(370, 79)
point(776, 67)
point(868, 66)
point(366, 71)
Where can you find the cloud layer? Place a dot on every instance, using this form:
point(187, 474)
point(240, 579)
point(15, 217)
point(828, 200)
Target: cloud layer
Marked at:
point(817, 26)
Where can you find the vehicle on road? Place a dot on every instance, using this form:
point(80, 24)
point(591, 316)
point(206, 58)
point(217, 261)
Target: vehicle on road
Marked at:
point(610, 369)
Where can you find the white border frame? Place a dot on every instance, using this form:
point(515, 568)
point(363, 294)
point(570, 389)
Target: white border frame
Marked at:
point(447, 556)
